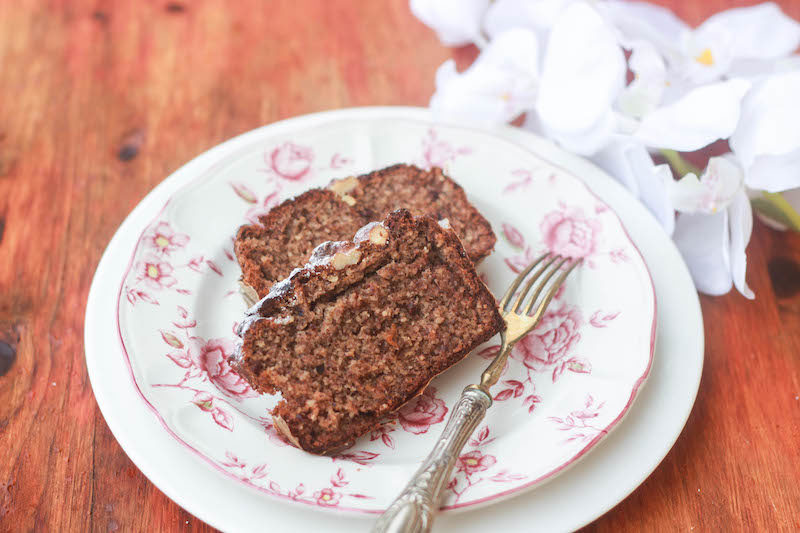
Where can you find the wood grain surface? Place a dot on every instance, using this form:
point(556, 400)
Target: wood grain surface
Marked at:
point(100, 100)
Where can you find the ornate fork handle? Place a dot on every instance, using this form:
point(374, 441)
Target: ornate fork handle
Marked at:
point(414, 509)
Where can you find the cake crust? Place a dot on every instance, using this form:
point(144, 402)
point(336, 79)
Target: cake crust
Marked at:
point(363, 328)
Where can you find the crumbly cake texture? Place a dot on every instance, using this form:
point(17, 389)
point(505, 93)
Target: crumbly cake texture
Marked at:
point(267, 252)
point(363, 328)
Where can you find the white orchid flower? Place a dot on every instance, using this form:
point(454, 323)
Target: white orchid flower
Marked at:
point(712, 192)
point(561, 63)
point(583, 72)
point(500, 85)
point(714, 226)
point(672, 38)
point(628, 162)
point(670, 110)
point(760, 33)
point(456, 22)
point(713, 246)
point(767, 138)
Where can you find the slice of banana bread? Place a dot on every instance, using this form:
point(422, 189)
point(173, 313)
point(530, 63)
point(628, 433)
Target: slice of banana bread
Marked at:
point(267, 252)
point(363, 328)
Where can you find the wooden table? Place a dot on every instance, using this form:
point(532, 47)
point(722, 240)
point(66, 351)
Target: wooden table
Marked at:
point(100, 100)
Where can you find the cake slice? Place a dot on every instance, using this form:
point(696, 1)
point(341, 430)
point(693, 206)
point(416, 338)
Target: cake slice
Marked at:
point(363, 328)
point(267, 252)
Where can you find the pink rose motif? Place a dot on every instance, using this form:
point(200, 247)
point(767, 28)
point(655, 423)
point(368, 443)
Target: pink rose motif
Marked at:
point(291, 161)
point(421, 413)
point(156, 273)
point(475, 461)
point(327, 497)
point(570, 233)
point(164, 239)
point(551, 340)
point(212, 358)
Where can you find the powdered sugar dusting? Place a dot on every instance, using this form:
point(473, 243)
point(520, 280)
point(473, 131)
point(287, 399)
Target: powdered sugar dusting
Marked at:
point(363, 233)
point(247, 322)
point(280, 288)
point(323, 253)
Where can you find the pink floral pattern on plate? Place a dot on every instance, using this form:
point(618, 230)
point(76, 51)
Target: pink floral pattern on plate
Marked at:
point(569, 233)
point(205, 361)
point(552, 342)
point(438, 152)
point(478, 468)
point(165, 240)
point(290, 161)
point(421, 413)
point(578, 424)
point(178, 309)
point(258, 477)
point(211, 357)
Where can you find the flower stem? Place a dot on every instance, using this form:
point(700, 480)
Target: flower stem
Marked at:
point(680, 165)
point(786, 212)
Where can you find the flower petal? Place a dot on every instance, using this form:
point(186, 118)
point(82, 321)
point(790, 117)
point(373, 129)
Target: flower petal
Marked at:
point(587, 142)
point(704, 241)
point(705, 54)
point(515, 50)
point(644, 93)
point(584, 70)
point(629, 163)
point(756, 69)
point(720, 183)
point(741, 227)
point(643, 21)
point(615, 159)
point(761, 31)
point(768, 127)
point(498, 87)
point(474, 98)
point(775, 173)
point(538, 16)
point(456, 22)
point(699, 118)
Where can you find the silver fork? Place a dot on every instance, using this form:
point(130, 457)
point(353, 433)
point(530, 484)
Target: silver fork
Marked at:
point(413, 510)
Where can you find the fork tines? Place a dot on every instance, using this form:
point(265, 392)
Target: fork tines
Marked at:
point(544, 268)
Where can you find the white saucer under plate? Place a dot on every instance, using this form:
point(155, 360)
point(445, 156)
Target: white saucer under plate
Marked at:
point(201, 436)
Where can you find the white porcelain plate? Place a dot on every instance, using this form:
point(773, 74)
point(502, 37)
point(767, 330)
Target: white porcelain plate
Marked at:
point(568, 383)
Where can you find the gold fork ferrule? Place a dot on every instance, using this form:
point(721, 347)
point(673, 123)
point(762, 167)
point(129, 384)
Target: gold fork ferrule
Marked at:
point(493, 372)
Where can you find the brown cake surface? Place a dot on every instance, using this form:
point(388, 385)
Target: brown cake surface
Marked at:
point(269, 251)
point(363, 328)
